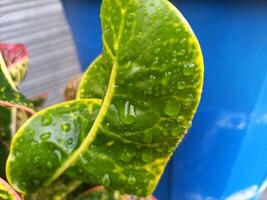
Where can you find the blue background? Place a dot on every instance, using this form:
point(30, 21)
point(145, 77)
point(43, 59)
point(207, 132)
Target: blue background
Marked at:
point(226, 149)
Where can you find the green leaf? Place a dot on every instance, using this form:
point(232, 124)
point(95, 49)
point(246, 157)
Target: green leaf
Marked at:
point(94, 81)
point(5, 137)
point(46, 141)
point(6, 192)
point(3, 158)
point(149, 77)
point(16, 59)
point(9, 96)
point(71, 88)
point(5, 122)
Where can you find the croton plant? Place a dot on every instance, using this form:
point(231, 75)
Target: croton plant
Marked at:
point(121, 121)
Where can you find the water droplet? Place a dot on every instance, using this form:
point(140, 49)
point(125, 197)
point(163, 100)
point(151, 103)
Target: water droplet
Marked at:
point(45, 136)
point(172, 108)
point(106, 180)
point(182, 41)
point(58, 154)
point(131, 180)
point(70, 141)
point(165, 18)
point(20, 140)
point(110, 143)
point(180, 119)
point(36, 182)
point(34, 143)
point(188, 69)
point(127, 156)
point(178, 30)
point(160, 148)
point(84, 160)
point(36, 159)
point(157, 51)
point(128, 116)
point(176, 132)
point(46, 120)
point(181, 52)
point(188, 125)
point(181, 85)
point(152, 77)
point(65, 127)
point(49, 164)
point(174, 61)
point(147, 155)
point(148, 137)
point(165, 133)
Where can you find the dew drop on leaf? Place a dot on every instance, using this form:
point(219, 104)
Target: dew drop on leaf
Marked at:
point(128, 115)
point(36, 159)
point(148, 137)
point(181, 52)
point(49, 164)
point(172, 107)
point(127, 156)
point(70, 141)
point(46, 120)
point(165, 133)
point(36, 182)
point(65, 127)
point(58, 154)
point(147, 155)
point(34, 143)
point(131, 180)
point(188, 69)
point(181, 85)
point(45, 136)
point(176, 132)
point(160, 149)
point(106, 180)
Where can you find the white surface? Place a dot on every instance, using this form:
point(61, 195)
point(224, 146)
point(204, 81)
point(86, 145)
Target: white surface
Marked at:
point(41, 25)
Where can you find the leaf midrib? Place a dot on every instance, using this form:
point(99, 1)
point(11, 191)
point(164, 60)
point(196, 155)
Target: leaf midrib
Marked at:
point(103, 110)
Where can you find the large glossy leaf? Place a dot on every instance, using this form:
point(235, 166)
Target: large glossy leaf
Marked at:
point(150, 78)
point(9, 96)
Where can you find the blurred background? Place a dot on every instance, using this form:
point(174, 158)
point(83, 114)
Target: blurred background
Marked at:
point(224, 156)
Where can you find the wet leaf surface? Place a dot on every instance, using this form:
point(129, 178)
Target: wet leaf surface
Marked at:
point(135, 104)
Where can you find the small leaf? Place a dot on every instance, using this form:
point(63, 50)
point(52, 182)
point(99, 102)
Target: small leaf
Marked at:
point(9, 96)
point(71, 88)
point(16, 60)
point(7, 192)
